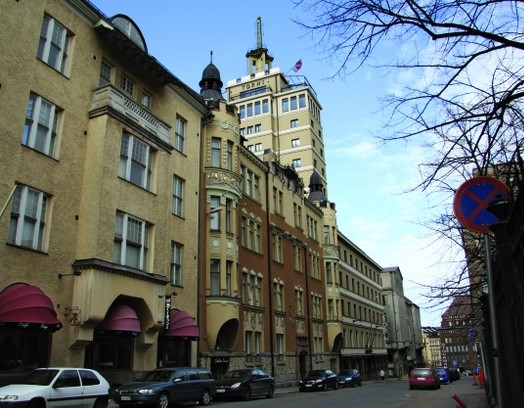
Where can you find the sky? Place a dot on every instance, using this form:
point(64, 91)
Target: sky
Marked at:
point(368, 181)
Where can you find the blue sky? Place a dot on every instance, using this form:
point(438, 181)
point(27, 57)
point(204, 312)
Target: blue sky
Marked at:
point(366, 180)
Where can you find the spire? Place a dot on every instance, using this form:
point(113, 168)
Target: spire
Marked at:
point(259, 32)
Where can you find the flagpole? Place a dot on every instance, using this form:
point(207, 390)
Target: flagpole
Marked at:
point(7, 202)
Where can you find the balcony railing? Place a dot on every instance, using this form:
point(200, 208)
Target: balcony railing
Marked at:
point(110, 97)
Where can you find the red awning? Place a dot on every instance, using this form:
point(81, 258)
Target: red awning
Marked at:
point(182, 325)
point(26, 306)
point(120, 318)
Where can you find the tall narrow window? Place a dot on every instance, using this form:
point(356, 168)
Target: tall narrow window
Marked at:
point(214, 216)
point(28, 218)
point(280, 347)
point(229, 157)
point(229, 273)
point(265, 106)
point(178, 196)
point(180, 134)
point(41, 124)
point(214, 271)
point(215, 152)
point(285, 105)
point(53, 45)
point(146, 100)
point(176, 264)
point(135, 161)
point(106, 73)
point(131, 241)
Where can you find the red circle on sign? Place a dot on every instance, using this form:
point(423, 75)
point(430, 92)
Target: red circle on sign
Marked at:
point(472, 199)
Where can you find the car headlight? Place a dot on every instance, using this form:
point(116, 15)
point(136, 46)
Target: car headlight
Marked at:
point(146, 391)
point(235, 386)
point(10, 398)
point(318, 381)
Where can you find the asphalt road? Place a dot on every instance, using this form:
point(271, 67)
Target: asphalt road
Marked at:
point(387, 394)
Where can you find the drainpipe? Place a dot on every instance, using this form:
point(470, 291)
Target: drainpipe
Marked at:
point(270, 278)
point(308, 308)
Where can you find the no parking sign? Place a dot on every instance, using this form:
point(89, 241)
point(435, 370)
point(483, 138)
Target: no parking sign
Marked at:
point(472, 200)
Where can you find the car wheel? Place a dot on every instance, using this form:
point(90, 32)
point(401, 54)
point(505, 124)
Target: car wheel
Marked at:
point(270, 392)
point(205, 398)
point(100, 403)
point(335, 386)
point(247, 394)
point(360, 383)
point(36, 404)
point(162, 401)
point(411, 387)
point(324, 387)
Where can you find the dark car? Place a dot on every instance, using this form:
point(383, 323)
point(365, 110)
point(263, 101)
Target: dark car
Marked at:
point(454, 373)
point(163, 387)
point(424, 378)
point(443, 373)
point(318, 380)
point(245, 383)
point(349, 377)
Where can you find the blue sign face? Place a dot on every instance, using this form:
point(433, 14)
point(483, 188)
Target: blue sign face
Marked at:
point(472, 200)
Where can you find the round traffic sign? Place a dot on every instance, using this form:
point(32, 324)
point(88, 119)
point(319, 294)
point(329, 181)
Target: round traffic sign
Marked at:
point(472, 199)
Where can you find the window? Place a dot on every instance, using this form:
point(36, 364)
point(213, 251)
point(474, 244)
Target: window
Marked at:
point(285, 105)
point(242, 111)
point(258, 128)
point(180, 134)
point(127, 85)
point(146, 100)
point(28, 217)
point(247, 342)
point(257, 108)
point(53, 45)
point(229, 157)
point(277, 247)
point(214, 271)
point(258, 147)
point(302, 101)
point(214, 216)
point(265, 106)
point(229, 205)
point(178, 196)
point(176, 264)
point(279, 295)
point(297, 255)
point(249, 110)
point(215, 152)
point(296, 163)
point(41, 124)
point(293, 100)
point(106, 73)
point(229, 271)
point(295, 143)
point(131, 241)
point(280, 347)
point(135, 161)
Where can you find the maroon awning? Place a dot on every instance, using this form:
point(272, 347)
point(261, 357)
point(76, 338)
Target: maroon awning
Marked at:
point(182, 325)
point(26, 306)
point(120, 318)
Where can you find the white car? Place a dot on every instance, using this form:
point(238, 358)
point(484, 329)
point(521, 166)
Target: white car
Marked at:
point(57, 387)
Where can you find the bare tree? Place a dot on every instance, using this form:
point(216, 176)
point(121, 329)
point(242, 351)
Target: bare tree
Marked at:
point(464, 101)
point(469, 56)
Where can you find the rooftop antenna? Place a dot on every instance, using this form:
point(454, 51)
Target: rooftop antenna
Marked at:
point(211, 57)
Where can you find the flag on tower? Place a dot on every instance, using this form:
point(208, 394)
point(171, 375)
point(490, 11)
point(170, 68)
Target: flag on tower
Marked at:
point(297, 65)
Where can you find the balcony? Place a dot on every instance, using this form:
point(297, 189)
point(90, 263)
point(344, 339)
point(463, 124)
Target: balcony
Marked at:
point(109, 98)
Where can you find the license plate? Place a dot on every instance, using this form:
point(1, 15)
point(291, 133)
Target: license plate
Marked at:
point(308, 385)
point(219, 390)
point(125, 398)
point(421, 379)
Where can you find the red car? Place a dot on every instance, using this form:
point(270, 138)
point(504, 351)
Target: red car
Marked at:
point(424, 378)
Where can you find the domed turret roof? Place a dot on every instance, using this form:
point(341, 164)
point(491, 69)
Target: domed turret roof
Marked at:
point(316, 188)
point(211, 84)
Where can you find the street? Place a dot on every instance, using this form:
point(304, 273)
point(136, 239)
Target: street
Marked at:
point(387, 394)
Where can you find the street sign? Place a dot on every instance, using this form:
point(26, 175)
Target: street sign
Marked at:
point(472, 199)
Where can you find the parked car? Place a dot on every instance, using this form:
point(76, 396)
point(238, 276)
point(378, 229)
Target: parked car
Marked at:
point(43, 387)
point(318, 380)
point(349, 377)
point(444, 375)
point(454, 373)
point(424, 378)
point(165, 386)
point(245, 383)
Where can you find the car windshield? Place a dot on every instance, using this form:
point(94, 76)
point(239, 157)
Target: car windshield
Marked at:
point(39, 377)
point(347, 372)
point(156, 376)
point(441, 371)
point(236, 374)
